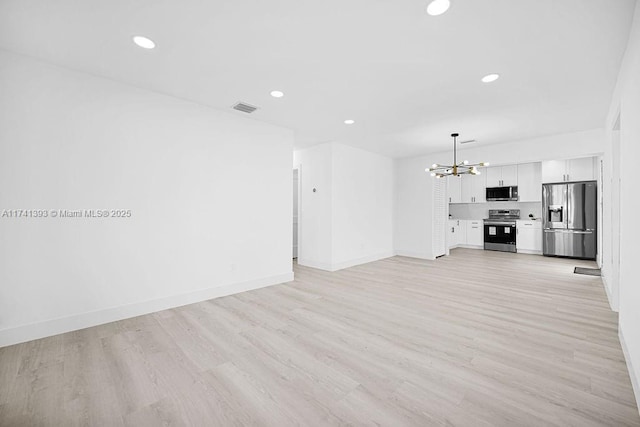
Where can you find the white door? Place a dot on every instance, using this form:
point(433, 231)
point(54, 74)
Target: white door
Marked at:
point(475, 233)
point(473, 189)
point(494, 176)
point(580, 169)
point(554, 171)
point(440, 221)
point(509, 175)
point(479, 188)
point(454, 189)
point(529, 182)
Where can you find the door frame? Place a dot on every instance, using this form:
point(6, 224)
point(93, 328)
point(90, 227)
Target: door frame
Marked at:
point(299, 228)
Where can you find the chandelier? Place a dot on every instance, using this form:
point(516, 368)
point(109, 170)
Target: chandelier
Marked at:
point(457, 169)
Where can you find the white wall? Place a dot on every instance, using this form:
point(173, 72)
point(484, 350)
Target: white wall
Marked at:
point(414, 190)
point(209, 191)
point(626, 101)
point(362, 211)
point(349, 219)
point(413, 213)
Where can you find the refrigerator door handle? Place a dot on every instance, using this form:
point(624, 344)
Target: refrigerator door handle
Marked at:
point(569, 231)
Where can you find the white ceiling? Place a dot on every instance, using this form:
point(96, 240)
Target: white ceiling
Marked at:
point(407, 78)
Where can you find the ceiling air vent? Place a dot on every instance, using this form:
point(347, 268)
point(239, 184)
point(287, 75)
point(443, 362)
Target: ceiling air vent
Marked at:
point(469, 141)
point(244, 107)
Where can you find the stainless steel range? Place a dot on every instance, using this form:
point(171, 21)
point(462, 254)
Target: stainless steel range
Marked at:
point(500, 230)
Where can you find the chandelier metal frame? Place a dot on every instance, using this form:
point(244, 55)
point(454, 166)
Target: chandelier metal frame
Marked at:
point(457, 169)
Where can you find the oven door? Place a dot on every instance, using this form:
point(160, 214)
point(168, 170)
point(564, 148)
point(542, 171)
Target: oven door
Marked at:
point(500, 236)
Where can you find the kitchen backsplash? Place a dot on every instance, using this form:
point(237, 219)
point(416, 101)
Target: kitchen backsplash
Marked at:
point(481, 210)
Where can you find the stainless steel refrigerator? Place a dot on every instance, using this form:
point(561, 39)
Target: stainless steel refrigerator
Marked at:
point(570, 219)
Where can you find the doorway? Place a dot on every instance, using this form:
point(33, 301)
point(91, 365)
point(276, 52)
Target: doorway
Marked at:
point(296, 208)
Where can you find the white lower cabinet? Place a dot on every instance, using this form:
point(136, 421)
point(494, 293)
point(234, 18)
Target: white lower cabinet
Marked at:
point(475, 233)
point(529, 237)
point(457, 233)
point(466, 233)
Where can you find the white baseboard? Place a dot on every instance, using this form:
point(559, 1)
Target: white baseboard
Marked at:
point(635, 377)
point(609, 294)
point(61, 325)
point(345, 264)
point(413, 254)
point(314, 264)
point(353, 262)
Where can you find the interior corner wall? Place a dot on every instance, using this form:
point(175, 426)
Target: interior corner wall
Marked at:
point(209, 194)
point(348, 220)
point(626, 101)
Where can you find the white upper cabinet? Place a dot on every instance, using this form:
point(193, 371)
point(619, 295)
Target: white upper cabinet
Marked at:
point(454, 189)
point(580, 169)
point(568, 170)
point(502, 176)
point(494, 176)
point(530, 182)
point(473, 189)
point(509, 175)
point(554, 171)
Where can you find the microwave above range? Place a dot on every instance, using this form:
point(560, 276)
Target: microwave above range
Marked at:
point(502, 194)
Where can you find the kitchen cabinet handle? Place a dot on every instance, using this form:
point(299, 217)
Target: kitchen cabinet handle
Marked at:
point(449, 199)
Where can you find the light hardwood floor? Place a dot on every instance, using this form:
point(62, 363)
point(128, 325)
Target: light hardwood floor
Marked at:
point(475, 339)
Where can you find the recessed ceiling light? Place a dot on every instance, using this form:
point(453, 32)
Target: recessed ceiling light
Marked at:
point(349, 122)
point(438, 7)
point(144, 42)
point(277, 94)
point(490, 78)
